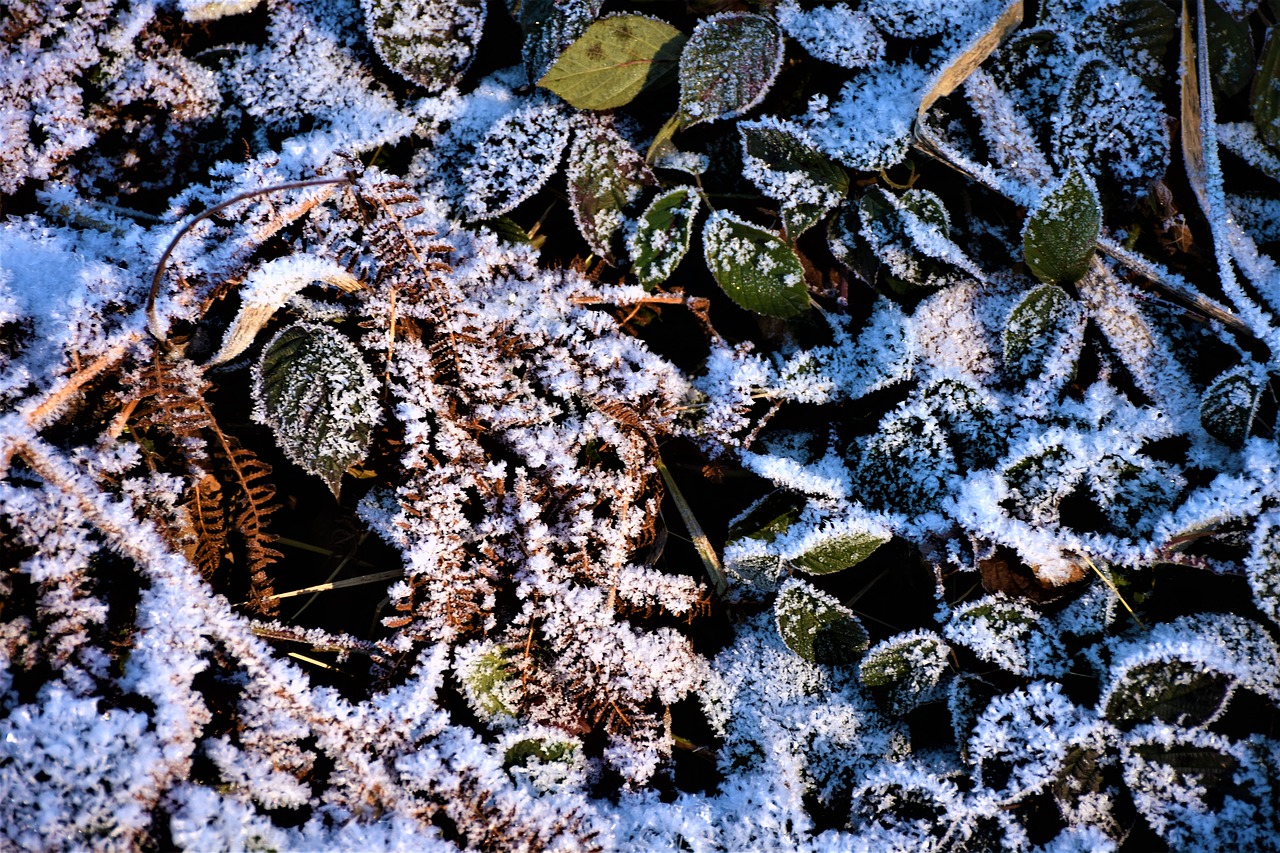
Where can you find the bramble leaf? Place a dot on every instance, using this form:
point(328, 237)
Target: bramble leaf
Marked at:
point(817, 626)
point(805, 183)
point(314, 390)
point(606, 177)
point(1044, 328)
point(728, 66)
point(1230, 404)
point(428, 42)
point(1062, 230)
point(662, 238)
point(757, 269)
point(613, 61)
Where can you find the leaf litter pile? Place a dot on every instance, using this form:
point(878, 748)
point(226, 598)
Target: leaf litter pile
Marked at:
point(680, 425)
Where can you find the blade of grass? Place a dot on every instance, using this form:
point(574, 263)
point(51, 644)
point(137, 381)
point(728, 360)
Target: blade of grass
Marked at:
point(700, 541)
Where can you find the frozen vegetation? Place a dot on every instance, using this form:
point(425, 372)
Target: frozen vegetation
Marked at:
point(730, 425)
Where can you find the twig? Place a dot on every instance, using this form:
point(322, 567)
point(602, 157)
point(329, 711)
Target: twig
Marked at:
point(153, 319)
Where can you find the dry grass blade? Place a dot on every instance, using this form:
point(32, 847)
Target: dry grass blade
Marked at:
point(700, 541)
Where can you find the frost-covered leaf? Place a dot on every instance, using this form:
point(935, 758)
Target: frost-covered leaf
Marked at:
point(613, 61)
point(1061, 233)
point(756, 268)
point(1199, 791)
point(768, 517)
point(834, 549)
point(1110, 122)
point(1230, 50)
point(550, 26)
point(1264, 98)
point(906, 464)
point(606, 178)
point(268, 288)
point(907, 668)
point(909, 235)
point(518, 154)
point(1021, 742)
point(489, 680)
point(968, 415)
point(1007, 633)
point(1184, 672)
point(786, 168)
point(728, 66)
point(1263, 565)
point(545, 758)
point(1230, 404)
point(1043, 334)
point(662, 235)
point(211, 10)
point(835, 33)
point(314, 390)
point(817, 626)
point(1135, 34)
point(428, 42)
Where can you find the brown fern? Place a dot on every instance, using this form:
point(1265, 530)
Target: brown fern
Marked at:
point(208, 514)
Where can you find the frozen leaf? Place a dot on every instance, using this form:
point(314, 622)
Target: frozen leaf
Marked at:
point(1108, 120)
point(662, 235)
point(963, 63)
point(268, 288)
point(1062, 230)
point(428, 42)
point(836, 34)
point(518, 154)
point(968, 415)
point(1265, 96)
point(550, 26)
point(906, 464)
point(768, 517)
point(1230, 50)
point(1136, 34)
point(786, 168)
point(1007, 633)
point(728, 65)
point(833, 550)
point(1263, 565)
point(1044, 333)
point(1184, 672)
point(489, 680)
point(817, 626)
point(757, 269)
point(1230, 404)
point(906, 668)
point(606, 178)
point(613, 61)
point(211, 10)
point(1021, 741)
point(911, 254)
point(314, 390)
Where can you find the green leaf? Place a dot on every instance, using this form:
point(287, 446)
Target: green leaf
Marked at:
point(1230, 50)
point(613, 61)
point(1044, 329)
point(606, 177)
point(1264, 99)
point(842, 236)
point(817, 626)
point(549, 27)
point(912, 269)
point(824, 555)
point(728, 66)
point(428, 42)
point(1175, 691)
point(757, 269)
point(1136, 34)
point(1062, 230)
point(489, 680)
point(662, 238)
point(906, 669)
point(768, 517)
point(792, 172)
point(1230, 404)
point(314, 390)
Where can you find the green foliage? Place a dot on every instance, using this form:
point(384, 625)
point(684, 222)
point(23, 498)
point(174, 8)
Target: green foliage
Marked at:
point(817, 627)
point(1044, 323)
point(606, 179)
point(613, 61)
point(1174, 691)
point(662, 235)
point(1230, 403)
point(757, 269)
point(314, 390)
point(728, 65)
point(427, 42)
point(906, 669)
point(800, 178)
point(1062, 230)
